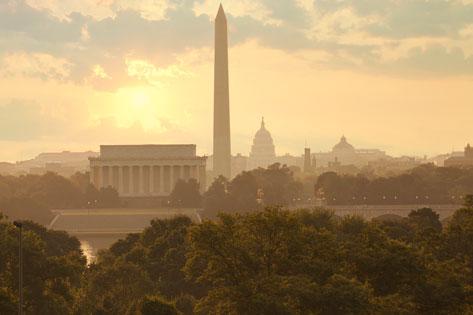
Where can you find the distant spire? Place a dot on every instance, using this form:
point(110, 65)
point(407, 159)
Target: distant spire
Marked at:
point(262, 122)
point(221, 12)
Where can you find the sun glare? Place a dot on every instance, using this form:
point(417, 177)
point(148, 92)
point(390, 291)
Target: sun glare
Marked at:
point(139, 104)
point(140, 99)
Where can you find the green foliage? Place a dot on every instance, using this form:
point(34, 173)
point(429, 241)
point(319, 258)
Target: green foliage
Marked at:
point(272, 261)
point(146, 264)
point(156, 306)
point(459, 236)
point(186, 194)
point(423, 184)
point(26, 208)
point(468, 201)
point(31, 197)
point(108, 198)
point(309, 262)
point(8, 302)
point(425, 219)
point(115, 287)
point(185, 304)
point(341, 296)
point(53, 266)
point(248, 191)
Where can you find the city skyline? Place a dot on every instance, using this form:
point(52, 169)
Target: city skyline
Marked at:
point(69, 86)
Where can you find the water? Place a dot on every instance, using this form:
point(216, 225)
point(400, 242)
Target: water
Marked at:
point(88, 251)
point(92, 244)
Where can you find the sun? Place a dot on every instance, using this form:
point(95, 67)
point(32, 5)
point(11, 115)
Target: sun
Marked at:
point(140, 104)
point(140, 98)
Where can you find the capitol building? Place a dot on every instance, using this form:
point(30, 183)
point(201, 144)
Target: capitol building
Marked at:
point(263, 152)
point(346, 154)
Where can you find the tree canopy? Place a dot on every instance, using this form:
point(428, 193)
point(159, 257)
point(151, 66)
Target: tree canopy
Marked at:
point(275, 261)
point(426, 184)
point(32, 197)
point(53, 269)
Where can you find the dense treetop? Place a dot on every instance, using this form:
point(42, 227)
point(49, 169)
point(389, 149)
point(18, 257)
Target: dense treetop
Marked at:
point(421, 185)
point(33, 196)
point(53, 269)
point(289, 262)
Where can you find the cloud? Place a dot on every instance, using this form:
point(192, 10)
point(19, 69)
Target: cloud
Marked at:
point(101, 9)
point(357, 34)
point(254, 9)
point(145, 71)
point(36, 65)
point(435, 58)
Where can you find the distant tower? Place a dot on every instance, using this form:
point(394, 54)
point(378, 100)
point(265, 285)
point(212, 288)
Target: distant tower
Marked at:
point(468, 151)
point(262, 152)
point(307, 161)
point(222, 145)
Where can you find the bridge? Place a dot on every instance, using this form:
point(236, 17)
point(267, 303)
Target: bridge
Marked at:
point(373, 211)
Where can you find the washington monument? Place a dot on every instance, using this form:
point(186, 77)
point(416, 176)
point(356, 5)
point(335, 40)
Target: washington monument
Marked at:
point(222, 145)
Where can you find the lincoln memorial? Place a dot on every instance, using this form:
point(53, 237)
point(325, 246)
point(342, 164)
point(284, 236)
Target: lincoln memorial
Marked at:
point(146, 170)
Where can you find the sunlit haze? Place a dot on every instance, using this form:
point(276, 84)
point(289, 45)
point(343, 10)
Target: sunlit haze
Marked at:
point(397, 76)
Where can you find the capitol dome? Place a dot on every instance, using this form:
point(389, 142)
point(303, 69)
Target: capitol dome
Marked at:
point(343, 146)
point(263, 136)
point(262, 151)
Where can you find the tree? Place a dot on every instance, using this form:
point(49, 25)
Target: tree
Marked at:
point(438, 185)
point(108, 197)
point(278, 184)
point(243, 192)
point(81, 181)
point(216, 198)
point(341, 296)
point(242, 259)
point(26, 208)
point(156, 306)
point(53, 272)
point(8, 301)
point(145, 264)
point(91, 196)
point(425, 219)
point(468, 202)
point(285, 262)
point(186, 194)
point(56, 192)
point(459, 236)
point(274, 186)
point(115, 287)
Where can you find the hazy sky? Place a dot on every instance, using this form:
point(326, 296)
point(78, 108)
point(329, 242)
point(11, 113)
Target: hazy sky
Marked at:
point(393, 74)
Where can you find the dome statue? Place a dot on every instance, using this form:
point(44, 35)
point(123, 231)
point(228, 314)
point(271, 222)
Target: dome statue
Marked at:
point(262, 151)
point(343, 146)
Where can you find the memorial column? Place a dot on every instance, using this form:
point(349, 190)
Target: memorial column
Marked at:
point(120, 180)
point(151, 179)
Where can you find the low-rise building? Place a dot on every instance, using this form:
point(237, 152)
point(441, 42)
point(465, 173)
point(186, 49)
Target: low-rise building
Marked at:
point(461, 161)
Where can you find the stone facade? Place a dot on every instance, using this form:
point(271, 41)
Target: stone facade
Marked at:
point(465, 160)
point(146, 170)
